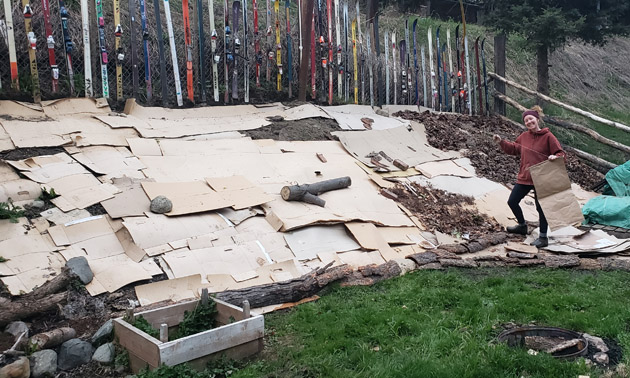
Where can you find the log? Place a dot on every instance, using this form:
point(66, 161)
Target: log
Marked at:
point(50, 339)
point(561, 104)
point(308, 192)
point(569, 125)
point(27, 307)
point(286, 291)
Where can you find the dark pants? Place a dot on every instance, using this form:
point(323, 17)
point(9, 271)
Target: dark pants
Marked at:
point(518, 193)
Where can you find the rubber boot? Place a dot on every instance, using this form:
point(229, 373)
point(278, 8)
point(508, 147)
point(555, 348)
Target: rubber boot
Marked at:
point(520, 229)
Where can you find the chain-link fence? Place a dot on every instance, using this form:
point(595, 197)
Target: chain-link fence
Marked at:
point(264, 93)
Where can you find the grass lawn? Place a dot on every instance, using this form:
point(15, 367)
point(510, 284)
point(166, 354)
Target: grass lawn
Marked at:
point(444, 324)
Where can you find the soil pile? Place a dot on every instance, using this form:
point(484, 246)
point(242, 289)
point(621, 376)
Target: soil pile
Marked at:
point(473, 135)
point(448, 213)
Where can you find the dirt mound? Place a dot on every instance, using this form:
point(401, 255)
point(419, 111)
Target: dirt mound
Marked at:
point(473, 135)
point(448, 213)
point(307, 129)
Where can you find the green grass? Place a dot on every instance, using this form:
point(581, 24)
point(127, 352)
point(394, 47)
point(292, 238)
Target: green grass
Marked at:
point(443, 324)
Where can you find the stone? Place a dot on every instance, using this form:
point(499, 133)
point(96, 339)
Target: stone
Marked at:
point(37, 204)
point(381, 112)
point(161, 205)
point(104, 354)
point(43, 363)
point(16, 329)
point(17, 369)
point(103, 334)
point(597, 342)
point(601, 358)
point(406, 265)
point(74, 353)
point(80, 267)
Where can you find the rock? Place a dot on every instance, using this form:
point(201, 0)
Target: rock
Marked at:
point(161, 205)
point(37, 204)
point(79, 266)
point(43, 363)
point(104, 354)
point(16, 369)
point(103, 334)
point(73, 353)
point(406, 265)
point(601, 358)
point(597, 342)
point(16, 329)
point(381, 112)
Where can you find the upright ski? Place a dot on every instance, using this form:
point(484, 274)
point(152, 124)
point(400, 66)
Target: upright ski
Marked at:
point(485, 75)
point(269, 42)
point(301, 47)
point(339, 48)
point(386, 67)
point(424, 78)
point(467, 65)
point(245, 52)
point(227, 61)
point(32, 47)
point(100, 19)
point(377, 47)
point(171, 41)
point(276, 8)
point(438, 69)
point(354, 58)
point(415, 62)
point(403, 70)
point(369, 62)
point(313, 59)
point(361, 55)
point(145, 46)
point(118, 49)
point(158, 23)
point(50, 42)
point(134, 47)
point(450, 69)
point(289, 49)
point(459, 71)
point(479, 90)
point(445, 77)
point(87, 59)
point(431, 71)
point(346, 37)
point(215, 56)
point(236, 12)
point(407, 62)
point(394, 67)
point(190, 85)
point(202, 51)
point(257, 52)
point(67, 43)
point(330, 52)
point(15, 83)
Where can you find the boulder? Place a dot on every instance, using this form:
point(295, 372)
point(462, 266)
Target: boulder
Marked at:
point(80, 267)
point(103, 334)
point(73, 353)
point(43, 363)
point(104, 354)
point(161, 205)
point(17, 369)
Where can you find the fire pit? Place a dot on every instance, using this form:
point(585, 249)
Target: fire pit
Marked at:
point(560, 343)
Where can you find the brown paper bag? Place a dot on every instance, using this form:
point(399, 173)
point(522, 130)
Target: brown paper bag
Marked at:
point(553, 189)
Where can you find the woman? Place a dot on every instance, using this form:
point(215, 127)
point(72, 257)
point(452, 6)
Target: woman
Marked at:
point(533, 146)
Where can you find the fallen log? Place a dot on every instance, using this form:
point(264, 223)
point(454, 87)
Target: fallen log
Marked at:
point(50, 339)
point(286, 291)
point(308, 192)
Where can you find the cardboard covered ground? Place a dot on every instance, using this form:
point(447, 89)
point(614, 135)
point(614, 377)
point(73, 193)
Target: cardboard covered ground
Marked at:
point(228, 228)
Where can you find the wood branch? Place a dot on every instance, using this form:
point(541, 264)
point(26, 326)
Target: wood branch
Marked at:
point(50, 339)
point(286, 291)
point(308, 192)
point(569, 125)
point(561, 104)
point(26, 307)
point(600, 164)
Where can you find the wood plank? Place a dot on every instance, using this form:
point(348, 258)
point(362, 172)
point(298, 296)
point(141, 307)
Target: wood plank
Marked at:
point(137, 342)
point(237, 353)
point(226, 310)
point(211, 341)
point(171, 315)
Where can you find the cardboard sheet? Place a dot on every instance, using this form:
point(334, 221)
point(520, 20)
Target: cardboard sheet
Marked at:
point(73, 106)
point(173, 290)
point(396, 143)
point(494, 204)
point(158, 229)
point(144, 147)
point(553, 188)
point(369, 237)
point(174, 123)
point(442, 168)
point(19, 190)
point(467, 186)
point(131, 201)
point(187, 197)
point(308, 242)
point(57, 216)
point(41, 267)
point(114, 161)
point(5, 140)
point(238, 190)
point(357, 259)
point(349, 117)
point(10, 230)
point(112, 273)
point(304, 111)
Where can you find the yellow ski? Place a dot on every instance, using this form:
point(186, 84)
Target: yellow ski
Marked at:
point(354, 55)
point(119, 53)
point(276, 7)
point(32, 44)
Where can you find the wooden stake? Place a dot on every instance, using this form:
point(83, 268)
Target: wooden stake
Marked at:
point(163, 332)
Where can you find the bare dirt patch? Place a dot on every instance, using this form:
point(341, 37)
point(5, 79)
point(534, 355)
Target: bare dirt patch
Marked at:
point(307, 129)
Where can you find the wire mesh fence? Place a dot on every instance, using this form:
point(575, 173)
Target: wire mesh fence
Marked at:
point(265, 92)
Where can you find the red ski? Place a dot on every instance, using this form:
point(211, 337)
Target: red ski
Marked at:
point(189, 61)
point(50, 41)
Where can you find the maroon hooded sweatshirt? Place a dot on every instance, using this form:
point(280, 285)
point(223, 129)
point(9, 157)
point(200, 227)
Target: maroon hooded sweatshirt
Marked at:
point(533, 147)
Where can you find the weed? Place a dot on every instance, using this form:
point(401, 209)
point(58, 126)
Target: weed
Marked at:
point(122, 358)
point(10, 211)
point(2, 259)
point(48, 195)
point(215, 369)
point(143, 325)
point(202, 318)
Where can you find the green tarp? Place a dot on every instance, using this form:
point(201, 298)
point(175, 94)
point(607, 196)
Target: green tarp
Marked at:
point(612, 208)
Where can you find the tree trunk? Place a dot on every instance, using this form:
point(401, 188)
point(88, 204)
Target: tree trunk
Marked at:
point(307, 27)
point(542, 68)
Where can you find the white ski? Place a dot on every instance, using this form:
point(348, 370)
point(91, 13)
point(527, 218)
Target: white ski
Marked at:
point(215, 57)
point(386, 67)
point(15, 84)
point(171, 40)
point(450, 69)
point(431, 71)
point(87, 59)
point(394, 64)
